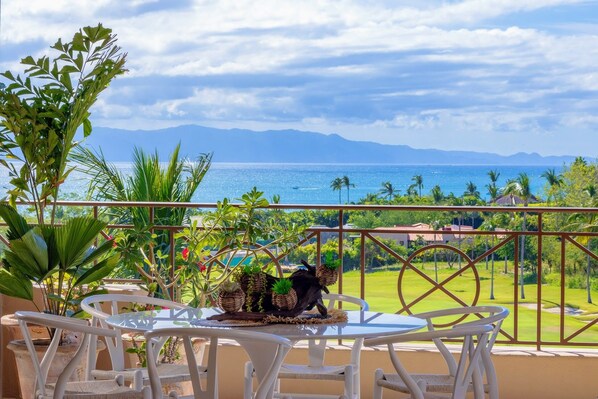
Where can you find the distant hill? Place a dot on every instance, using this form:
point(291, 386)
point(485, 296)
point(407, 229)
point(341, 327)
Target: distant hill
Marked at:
point(290, 146)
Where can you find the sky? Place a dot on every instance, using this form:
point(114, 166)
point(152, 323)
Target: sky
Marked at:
point(501, 76)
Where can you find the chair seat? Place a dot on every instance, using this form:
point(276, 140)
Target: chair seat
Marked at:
point(434, 382)
point(169, 373)
point(299, 371)
point(95, 390)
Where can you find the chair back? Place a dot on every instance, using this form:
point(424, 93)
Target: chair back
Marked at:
point(493, 315)
point(475, 341)
point(334, 299)
point(483, 315)
point(100, 307)
point(59, 323)
point(281, 344)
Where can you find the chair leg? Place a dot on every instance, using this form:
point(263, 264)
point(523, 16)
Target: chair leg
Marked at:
point(356, 384)
point(349, 381)
point(248, 381)
point(377, 388)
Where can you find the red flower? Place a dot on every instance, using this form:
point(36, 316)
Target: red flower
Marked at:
point(202, 268)
point(185, 253)
point(114, 245)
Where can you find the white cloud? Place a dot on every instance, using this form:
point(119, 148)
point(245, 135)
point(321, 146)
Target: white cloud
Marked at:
point(443, 69)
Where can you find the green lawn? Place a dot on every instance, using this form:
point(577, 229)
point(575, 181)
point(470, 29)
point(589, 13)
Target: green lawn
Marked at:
point(381, 292)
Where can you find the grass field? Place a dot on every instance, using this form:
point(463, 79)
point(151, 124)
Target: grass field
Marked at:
point(382, 294)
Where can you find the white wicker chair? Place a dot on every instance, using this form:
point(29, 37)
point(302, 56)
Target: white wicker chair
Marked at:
point(97, 306)
point(465, 317)
point(316, 369)
point(63, 389)
point(422, 386)
point(213, 334)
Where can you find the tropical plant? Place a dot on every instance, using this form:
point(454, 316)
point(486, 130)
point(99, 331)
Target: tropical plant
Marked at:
point(233, 236)
point(282, 286)
point(521, 187)
point(493, 192)
point(42, 111)
point(62, 260)
point(471, 190)
point(148, 182)
point(330, 262)
point(437, 194)
point(492, 188)
point(337, 185)
point(418, 181)
point(554, 181)
point(412, 191)
point(145, 248)
point(388, 190)
point(493, 175)
point(230, 286)
point(347, 183)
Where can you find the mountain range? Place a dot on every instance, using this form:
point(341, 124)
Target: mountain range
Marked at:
point(289, 146)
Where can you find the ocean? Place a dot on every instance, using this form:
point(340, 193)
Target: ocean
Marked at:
point(310, 183)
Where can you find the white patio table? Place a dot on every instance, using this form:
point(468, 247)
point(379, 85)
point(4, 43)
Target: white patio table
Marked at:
point(360, 324)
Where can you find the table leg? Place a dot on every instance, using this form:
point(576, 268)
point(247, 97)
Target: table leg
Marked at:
point(264, 356)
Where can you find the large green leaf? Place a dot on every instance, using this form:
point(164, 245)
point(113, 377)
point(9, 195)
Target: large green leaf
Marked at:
point(93, 255)
point(14, 286)
point(75, 238)
point(17, 225)
point(29, 255)
point(49, 234)
point(99, 271)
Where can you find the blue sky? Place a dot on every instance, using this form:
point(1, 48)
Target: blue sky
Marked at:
point(502, 76)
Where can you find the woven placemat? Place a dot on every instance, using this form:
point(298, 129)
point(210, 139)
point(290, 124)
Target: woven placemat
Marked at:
point(334, 316)
point(228, 323)
point(312, 317)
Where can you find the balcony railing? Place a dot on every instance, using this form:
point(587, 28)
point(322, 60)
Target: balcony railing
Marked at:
point(439, 269)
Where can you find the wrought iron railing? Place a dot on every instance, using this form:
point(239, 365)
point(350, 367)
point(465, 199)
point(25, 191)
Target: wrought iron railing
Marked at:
point(532, 320)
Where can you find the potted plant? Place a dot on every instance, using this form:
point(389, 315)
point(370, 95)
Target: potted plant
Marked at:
point(327, 272)
point(40, 114)
point(284, 296)
point(253, 281)
point(230, 296)
point(241, 240)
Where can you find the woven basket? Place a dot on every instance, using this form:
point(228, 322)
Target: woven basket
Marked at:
point(258, 282)
point(326, 276)
point(231, 302)
point(285, 301)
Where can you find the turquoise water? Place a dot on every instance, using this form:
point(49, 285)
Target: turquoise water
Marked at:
point(310, 184)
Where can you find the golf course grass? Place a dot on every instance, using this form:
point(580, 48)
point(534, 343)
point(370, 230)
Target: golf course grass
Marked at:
point(382, 294)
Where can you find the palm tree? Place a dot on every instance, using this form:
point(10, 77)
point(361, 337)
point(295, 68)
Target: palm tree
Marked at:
point(520, 187)
point(493, 175)
point(411, 191)
point(492, 188)
point(337, 185)
point(554, 181)
point(418, 180)
point(148, 182)
point(388, 190)
point(347, 183)
point(493, 191)
point(471, 190)
point(437, 194)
